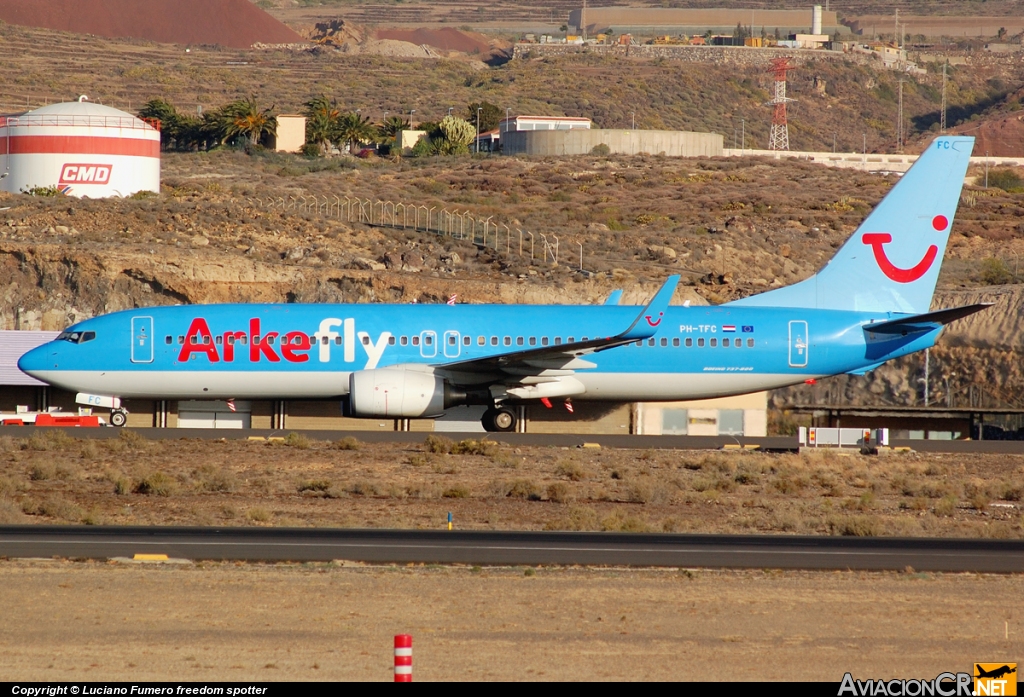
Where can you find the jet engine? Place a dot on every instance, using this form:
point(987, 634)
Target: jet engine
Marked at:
point(397, 393)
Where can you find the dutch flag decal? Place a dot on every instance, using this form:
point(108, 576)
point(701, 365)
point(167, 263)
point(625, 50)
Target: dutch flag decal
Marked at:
point(728, 327)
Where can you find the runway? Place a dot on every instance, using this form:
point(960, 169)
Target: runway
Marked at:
point(516, 548)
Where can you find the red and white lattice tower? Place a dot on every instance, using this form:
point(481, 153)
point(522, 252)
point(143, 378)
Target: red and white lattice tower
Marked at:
point(779, 138)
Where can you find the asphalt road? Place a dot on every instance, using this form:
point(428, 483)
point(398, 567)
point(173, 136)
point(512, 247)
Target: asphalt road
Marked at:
point(513, 548)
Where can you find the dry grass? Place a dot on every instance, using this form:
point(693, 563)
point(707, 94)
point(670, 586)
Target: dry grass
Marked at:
point(391, 485)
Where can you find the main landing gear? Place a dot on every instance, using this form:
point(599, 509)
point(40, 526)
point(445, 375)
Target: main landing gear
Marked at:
point(500, 420)
point(118, 417)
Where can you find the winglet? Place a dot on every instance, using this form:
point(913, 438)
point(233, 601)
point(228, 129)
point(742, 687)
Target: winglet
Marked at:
point(649, 320)
point(614, 298)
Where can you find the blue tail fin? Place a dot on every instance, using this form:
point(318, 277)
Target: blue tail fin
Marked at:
point(892, 261)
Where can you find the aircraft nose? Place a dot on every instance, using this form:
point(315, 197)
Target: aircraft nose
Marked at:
point(36, 360)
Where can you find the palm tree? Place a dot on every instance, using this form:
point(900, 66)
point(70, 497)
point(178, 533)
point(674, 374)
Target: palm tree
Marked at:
point(322, 122)
point(162, 115)
point(246, 119)
point(354, 129)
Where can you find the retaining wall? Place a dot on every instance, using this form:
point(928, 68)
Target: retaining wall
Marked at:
point(619, 142)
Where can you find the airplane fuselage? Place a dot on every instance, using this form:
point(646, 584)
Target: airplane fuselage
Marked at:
point(308, 351)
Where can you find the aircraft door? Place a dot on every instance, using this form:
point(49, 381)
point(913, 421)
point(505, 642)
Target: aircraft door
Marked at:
point(451, 344)
point(142, 339)
point(428, 344)
point(799, 345)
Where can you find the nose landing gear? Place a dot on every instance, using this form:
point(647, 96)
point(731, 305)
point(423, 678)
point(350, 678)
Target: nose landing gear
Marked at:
point(500, 420)
point(118, 417)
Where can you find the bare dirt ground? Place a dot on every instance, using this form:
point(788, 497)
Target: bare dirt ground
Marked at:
point(105, 621)
point(54, 478)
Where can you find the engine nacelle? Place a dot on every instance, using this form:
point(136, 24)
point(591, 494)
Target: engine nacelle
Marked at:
point(396, 393)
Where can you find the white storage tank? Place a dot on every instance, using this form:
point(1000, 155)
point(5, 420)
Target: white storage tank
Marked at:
point(816, 20)
point(82, 148)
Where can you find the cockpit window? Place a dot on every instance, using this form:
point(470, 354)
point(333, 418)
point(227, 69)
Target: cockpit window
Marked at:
point(76, 337)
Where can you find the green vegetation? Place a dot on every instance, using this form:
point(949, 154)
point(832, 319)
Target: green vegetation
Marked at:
point(1008, 180)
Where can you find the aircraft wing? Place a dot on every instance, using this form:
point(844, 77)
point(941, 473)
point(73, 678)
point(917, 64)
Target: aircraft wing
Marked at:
point(562, 359)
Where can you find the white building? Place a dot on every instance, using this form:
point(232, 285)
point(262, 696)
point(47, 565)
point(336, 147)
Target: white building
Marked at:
point(82, 148)
point(542, 123)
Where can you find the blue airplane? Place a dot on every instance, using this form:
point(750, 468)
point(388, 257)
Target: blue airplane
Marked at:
point(871, 303)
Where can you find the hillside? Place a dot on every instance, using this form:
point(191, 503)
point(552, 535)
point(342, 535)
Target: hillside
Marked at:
point(232, 23)
point(731, 227)
point(45, 66)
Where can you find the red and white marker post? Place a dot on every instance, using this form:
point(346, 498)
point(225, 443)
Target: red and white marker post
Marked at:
point(403, 658)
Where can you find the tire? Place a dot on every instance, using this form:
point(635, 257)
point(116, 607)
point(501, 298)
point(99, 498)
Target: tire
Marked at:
point(487, 421)
point(118, 418)
point(504, 420)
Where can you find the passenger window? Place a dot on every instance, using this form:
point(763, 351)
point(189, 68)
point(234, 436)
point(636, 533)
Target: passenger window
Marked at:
point(713, 343)
point(750, 343)
point(415, 341)
point(543, 341)
point(650, 342)
point(675, 342)
point(494, 341)
point(689, 342)
point(533, 341)
point(337, 341)
point(325, 340)
point(467, 340)
point(569, 340)
point(391, 341)
point(207, 340)
point(481, 341)
point(700, 343)
point(507, 341)
point(271, 339)
point(219, 340)
point(519, 341)
point(664, 341)
point(231, 340)
point(738, 343)
point(558, 340)
point(640, 343)
point(725, 342)
point(452, 340)
point(404, 341)
point(428, 340)
point(243, 340)
point(193, 340)
point(169, 339)
point(583, 339)
point(365, 340)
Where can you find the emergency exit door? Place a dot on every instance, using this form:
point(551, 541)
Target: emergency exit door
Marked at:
point(798, 343)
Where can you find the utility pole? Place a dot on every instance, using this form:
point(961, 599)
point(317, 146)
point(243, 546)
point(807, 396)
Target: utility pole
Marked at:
point(926, 367)
point(899, 122)
point(942, 122)
point(743, 134)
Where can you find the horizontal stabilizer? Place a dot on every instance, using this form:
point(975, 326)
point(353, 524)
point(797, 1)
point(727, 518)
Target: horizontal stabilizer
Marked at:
point(925, 322)
point(614, 297)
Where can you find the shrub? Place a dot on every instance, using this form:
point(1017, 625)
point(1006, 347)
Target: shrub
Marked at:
point(319, 485)
point(122, 486)
point(215, 479)
point(559, 492)
point(1006, 179)
point(524, 489)
point(459, 491)
point(572, 471)
point(40, 472)
point(946, 506)
point(853, 526)
point(348, 443)
point(601, 150)
point(258, 515)
point(438, 444)
point(297, 440)
point(363, 488)
point(994, 272)
point(156, 484)
point(487, 448)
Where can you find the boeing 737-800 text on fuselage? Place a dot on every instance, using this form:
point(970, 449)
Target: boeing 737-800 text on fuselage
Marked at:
point(871, 303)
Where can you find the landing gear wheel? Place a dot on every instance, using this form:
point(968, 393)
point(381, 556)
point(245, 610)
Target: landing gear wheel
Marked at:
point(118, 417)
point(501, 420)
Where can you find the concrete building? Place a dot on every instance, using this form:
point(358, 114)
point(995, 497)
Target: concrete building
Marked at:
point(291, 133)
point(656, 20)
point(543, 123)
point(618, 142)
point(408, 138)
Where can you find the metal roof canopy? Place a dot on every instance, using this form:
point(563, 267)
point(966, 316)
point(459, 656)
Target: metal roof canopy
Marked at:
point(13, 345)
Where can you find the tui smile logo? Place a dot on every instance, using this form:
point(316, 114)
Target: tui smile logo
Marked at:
point(654, 322)
point(877, 242)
